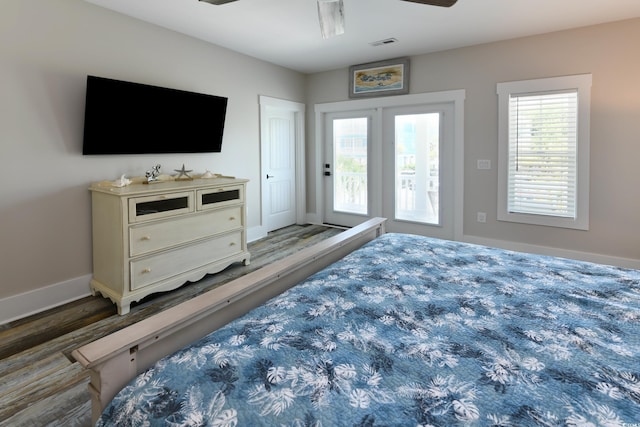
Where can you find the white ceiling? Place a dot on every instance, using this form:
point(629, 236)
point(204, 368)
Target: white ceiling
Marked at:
point(287, 33)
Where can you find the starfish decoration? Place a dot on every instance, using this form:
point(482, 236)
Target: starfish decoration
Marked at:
point(182, 172)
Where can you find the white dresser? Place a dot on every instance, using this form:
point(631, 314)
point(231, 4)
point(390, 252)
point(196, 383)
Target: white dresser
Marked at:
point(150, 238)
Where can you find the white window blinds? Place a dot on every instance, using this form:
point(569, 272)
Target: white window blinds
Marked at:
point(542, 160)
point(543, 151)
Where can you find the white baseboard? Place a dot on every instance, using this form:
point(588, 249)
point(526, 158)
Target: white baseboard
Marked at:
point(562, 253)
point(26, 304)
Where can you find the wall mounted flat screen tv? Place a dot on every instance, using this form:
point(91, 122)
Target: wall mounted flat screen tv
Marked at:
point(132, 118)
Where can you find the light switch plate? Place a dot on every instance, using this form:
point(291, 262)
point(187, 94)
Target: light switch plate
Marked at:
point(484, 164)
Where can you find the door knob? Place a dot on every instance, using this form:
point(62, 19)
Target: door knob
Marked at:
point(270, 176)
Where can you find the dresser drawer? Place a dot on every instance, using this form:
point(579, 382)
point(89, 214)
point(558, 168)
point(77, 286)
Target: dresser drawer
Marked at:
point(147, 238)
point(218, 197)
point(160, 206)
point(149, 270)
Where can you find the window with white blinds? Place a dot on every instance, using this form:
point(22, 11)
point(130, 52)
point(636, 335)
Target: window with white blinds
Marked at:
point(543, 162)
point(542, 153)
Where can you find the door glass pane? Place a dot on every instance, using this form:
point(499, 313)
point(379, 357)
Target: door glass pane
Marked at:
point(417, 155)
point(350, 165)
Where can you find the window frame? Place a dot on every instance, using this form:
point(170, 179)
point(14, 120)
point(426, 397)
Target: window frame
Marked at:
point(582, 84)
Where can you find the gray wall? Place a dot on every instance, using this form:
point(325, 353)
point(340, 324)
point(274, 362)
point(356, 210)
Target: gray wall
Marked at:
point(47, 48)
point(610, 53)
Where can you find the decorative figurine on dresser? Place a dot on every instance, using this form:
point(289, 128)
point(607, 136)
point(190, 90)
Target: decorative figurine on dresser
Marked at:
point(153, 238)
point(153, 174)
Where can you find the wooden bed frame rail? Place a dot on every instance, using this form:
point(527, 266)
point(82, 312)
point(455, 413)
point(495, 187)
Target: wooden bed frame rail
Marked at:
point(117, 358)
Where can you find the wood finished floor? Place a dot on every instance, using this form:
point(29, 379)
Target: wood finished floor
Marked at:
point(41, 384)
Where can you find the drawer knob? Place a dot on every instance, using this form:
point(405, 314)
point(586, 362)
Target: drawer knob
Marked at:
point(145, 238)
point(146, 270)
point(233, 218)
point(232, 244)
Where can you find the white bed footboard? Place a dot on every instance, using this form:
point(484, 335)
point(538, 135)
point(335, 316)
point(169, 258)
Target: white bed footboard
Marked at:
point(117, 358)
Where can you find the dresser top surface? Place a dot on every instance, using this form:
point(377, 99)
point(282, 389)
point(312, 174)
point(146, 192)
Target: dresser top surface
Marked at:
point(166, 183)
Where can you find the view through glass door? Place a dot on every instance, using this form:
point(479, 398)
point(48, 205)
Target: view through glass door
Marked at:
point(346, 168)
point(419, 197)
point(417, 167)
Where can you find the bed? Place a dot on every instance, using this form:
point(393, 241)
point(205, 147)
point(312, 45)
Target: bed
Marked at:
point(403, 330)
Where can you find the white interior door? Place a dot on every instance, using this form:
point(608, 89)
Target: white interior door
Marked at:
point(278, 167)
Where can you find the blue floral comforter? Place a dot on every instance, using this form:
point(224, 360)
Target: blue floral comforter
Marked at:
point(413, 331)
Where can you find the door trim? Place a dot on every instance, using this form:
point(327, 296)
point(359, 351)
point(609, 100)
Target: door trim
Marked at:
point(456, 97)
point(298, 109)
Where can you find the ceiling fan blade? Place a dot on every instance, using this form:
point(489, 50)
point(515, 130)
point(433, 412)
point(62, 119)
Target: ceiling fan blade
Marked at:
point(217, 2)
point(443, 3)
point(331, 16)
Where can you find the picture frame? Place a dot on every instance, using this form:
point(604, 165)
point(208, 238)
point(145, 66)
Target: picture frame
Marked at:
point(381, 78)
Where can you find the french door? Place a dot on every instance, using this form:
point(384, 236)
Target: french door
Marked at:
point(418, 193)
point(347, 167)
point(395, 162)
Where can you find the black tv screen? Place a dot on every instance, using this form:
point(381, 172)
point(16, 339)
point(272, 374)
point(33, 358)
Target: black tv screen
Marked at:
point(132, 118)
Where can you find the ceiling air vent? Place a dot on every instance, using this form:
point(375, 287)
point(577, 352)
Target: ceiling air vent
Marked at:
point(384, 42)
